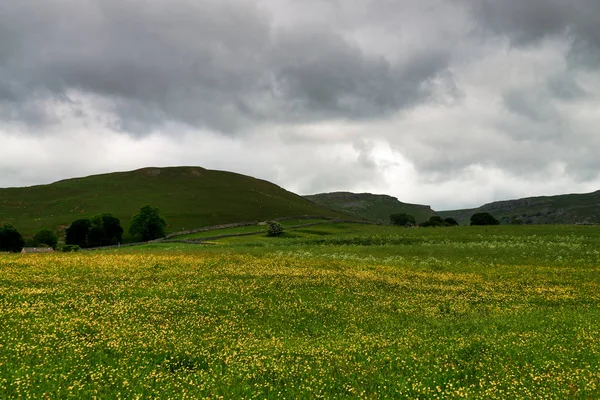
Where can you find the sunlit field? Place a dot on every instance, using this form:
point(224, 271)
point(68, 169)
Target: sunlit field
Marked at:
point(328, 311)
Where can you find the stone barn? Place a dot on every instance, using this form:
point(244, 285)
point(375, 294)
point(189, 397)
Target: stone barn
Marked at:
point(31, 250)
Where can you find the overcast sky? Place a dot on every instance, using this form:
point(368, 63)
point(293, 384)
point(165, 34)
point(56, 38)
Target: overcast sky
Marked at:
point(451, 103)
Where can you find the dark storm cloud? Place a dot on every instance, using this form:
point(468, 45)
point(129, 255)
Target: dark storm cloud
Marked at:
point(528, 22)
point(207, 63)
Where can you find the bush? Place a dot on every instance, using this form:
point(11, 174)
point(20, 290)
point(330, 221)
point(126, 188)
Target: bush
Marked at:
point(275, 229)
point(402, 219)
point(70, 248)
point(484, 218)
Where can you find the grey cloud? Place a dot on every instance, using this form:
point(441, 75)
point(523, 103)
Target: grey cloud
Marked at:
point(523, 21)
point(528, 22)
point(365, 150)
point(565, 87)
point(530, 104)
point(220, 65)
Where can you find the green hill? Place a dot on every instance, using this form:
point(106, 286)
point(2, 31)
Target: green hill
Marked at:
point(562, 209)
point(188, 197)
point(373, 207)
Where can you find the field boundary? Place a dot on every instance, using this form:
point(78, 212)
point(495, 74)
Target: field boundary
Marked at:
point(167, 239)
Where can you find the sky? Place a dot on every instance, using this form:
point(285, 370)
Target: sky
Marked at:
point(450, 103)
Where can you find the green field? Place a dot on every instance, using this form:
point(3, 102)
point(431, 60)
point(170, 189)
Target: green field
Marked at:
point(255, 228)
point(327, 311)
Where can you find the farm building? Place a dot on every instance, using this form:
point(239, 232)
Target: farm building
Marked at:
point(31, 250)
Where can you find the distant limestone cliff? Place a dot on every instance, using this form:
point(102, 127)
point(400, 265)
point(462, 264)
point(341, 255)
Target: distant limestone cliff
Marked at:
point(562, 209)
point(375, 207)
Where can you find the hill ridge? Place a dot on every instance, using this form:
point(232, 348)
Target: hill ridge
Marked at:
point(376, 207)
point(572, 208)
point(188, 197)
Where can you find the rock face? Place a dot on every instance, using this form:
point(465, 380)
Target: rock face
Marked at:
point(562, 209)
point(375, 207)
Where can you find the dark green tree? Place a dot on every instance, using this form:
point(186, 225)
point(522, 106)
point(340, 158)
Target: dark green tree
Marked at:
point(450, 221)
point(148, 224)
point(484, 218)
point(10, 239)
point(76, 233)
point(105, 230)
point(95, 237)
point(434, 221)
point(111, 226)
point(45, 236)
point(402, 219)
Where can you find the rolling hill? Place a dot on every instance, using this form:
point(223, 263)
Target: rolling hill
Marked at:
point(373, 207)
point(188, 197)
point(561, 209)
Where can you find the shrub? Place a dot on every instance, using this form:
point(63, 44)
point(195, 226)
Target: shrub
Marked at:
point(484, 218)
point(275, 229)
point(70, 248)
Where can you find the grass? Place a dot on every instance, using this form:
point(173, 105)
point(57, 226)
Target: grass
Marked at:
point(258, 229)
point(328, 311)
point(188, 197)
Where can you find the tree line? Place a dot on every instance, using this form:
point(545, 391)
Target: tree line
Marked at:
point(101, 230)
point(404, 219)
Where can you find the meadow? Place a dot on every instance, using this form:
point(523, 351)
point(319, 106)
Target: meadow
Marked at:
point(327, 311)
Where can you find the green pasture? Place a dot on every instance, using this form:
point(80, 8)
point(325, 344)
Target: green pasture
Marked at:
point(334, 310)
point(257, 228)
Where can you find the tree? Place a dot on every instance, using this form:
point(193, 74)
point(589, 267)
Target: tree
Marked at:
point(148, 224)
point(10, 239)
point(434, 221)
point(484, 218)
point(402, 219)
point(77, 232)
point(95, 237)
point(105, 230)
point(275, 229)
point(450, 221)
point(111, 226)
point(47, 237)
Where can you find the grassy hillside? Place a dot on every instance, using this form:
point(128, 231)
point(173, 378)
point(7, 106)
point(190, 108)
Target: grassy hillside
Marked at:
point(563, 209)
point(370, 206)
point(188, 197)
